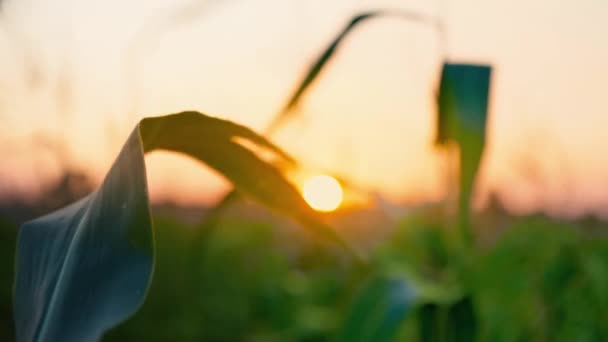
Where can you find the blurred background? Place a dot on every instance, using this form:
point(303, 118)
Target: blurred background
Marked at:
point(78, 76)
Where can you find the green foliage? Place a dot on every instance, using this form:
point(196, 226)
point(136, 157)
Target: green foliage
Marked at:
point(544, 282)
point(249, 280)
point(379, 311)
point(237, 285)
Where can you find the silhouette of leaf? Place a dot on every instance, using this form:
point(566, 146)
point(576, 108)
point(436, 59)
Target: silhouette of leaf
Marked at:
point(85, 268)
point(318, 65)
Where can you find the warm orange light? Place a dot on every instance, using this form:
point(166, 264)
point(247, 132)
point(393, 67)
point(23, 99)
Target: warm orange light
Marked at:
point(323, 193)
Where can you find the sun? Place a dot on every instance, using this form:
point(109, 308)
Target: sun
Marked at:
point(323, 193)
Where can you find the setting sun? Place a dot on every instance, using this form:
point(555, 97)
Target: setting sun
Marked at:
point(323, 193)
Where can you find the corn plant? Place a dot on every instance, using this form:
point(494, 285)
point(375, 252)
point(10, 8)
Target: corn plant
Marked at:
point(86, 268)
point(462, 111)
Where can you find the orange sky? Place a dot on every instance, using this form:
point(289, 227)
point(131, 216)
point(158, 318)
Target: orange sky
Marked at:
point(78, 70)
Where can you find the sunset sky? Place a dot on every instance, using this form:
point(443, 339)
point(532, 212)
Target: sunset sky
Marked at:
point(84, 72)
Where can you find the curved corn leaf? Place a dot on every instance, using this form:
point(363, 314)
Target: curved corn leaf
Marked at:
point(379, 311)
point(85, 268)
point(318, 65)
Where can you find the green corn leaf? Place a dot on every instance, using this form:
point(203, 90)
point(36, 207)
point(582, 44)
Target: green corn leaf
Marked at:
point(463, 106)
point(463, 102)
point(85, 268)
point(378, 312)
point(318, 65)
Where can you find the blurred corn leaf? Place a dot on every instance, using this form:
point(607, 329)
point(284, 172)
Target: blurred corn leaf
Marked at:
point(318, 65)
point(463, 106)
point(85, 268)
point(378, 311)
point(463, 102)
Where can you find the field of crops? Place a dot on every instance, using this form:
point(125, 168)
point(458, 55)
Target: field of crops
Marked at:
point(251, 280)
point(286, 259)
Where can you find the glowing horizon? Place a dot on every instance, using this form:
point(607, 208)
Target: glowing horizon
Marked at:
point(371, 117)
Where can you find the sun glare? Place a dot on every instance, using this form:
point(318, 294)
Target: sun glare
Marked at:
point(323, 193)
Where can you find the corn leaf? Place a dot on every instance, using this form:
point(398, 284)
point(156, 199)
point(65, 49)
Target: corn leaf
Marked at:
point(463, 102)
point(463, 106)
point(85, 268)
point(319, 64)
point(378, 312)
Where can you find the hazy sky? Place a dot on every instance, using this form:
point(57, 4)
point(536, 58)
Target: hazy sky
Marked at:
point(85, 71)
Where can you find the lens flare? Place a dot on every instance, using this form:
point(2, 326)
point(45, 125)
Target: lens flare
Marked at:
point(323, 193)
